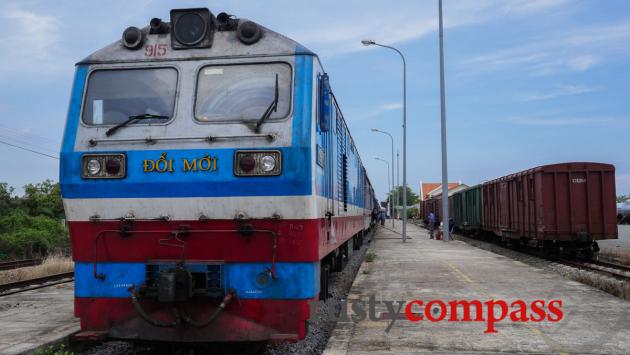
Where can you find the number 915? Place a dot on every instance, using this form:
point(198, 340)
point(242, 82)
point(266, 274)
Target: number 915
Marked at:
point(155, 50)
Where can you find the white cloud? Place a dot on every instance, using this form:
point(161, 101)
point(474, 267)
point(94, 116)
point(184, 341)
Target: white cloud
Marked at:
point(529, 6)
point(582, 63)
point(564, 121)
point(573, 50)
point(391, 24)
point(30, 39)
point(560, 91)
point(391, 106)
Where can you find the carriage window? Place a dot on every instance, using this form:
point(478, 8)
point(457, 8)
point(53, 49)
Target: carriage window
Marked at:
point(114, 95)
point(242, 92)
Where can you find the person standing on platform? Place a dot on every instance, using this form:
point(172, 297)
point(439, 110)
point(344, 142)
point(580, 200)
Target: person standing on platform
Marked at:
point(431, 224)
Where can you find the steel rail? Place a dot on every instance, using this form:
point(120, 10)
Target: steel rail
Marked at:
point(15, 264)
point(33, 284)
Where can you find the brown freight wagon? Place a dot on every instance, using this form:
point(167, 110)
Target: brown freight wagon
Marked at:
point(568, 206)
point(435, 205)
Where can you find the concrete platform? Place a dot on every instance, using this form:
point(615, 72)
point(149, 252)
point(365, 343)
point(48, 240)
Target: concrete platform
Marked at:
point(593, 321)
point(35, 318)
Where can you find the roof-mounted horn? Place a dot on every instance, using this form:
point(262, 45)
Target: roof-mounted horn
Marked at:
point(159, 27)
point(248, 32)
point(133, 38)
point(226, 22)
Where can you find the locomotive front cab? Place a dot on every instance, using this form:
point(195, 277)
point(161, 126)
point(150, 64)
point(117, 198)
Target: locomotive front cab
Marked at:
point(187, 183)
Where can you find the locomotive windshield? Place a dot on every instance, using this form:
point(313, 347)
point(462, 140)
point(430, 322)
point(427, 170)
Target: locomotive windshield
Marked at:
point(242, 92)
point(115, 95)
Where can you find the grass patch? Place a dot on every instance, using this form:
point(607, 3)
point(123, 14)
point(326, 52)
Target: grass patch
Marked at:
point(54, 350)
point(621, 257)
point(370, 256)
point(52, 264)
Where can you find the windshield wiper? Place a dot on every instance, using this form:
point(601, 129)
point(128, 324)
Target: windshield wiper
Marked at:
point(273, 107)
point(144, 116)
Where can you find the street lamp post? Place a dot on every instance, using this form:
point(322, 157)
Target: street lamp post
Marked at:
point(392, 193)
point(445, 217)
point(397, 177)
point(388, 183)
point(368, 43)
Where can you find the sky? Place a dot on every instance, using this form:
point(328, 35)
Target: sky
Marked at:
point(528, 82)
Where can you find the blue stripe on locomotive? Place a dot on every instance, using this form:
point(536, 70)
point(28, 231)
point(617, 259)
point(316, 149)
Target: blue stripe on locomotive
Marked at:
point(294, 180)
point(294, 280)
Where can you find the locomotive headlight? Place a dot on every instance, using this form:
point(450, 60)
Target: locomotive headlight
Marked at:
point(257, 163)
point(267, 163)
point(93, 167)
point(103, 166)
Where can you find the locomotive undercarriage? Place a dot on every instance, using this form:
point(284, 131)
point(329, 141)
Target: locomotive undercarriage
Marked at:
point(337, 260)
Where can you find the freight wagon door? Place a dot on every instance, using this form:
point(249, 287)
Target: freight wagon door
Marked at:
point(579, 201)
point(504, 207)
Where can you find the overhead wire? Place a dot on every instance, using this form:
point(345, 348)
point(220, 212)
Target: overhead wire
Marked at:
point(29, 150)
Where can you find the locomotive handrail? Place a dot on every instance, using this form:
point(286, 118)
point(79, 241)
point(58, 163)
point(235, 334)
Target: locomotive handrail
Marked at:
point(209, 139)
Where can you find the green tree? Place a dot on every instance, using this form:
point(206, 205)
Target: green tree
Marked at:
point(7, 200)
point(412, 198)
point(623, 198)
point(43, 199)
point(30, 225)
point(412, 213)
point(26, 236)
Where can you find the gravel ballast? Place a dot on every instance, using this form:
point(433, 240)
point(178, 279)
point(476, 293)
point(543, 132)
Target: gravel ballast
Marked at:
point(320, 328)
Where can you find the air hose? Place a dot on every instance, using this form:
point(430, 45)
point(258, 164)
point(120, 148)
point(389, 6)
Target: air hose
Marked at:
point(231, 294)
point(228, 297)
point(158, 323)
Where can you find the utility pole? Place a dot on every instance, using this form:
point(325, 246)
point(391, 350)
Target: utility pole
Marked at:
point(391, 192)
point(397, 177)
point(389, 185)
point(445, 217)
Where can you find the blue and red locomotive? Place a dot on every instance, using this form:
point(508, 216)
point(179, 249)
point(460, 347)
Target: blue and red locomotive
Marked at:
point(209, 181)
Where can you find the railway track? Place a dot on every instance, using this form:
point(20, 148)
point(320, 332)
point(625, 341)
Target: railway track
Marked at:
point(33, 284)
point(614, 270)
point(16, 264)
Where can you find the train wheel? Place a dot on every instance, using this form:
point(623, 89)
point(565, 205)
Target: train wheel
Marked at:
point(585, 254)
point(341, 258)
point(550, 248)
